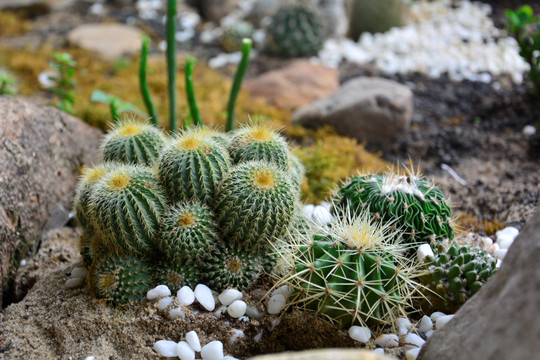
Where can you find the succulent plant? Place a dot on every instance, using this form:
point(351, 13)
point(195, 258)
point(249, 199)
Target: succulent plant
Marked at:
point(177, 274)
point(296, 169)
point(411, 203)
point(295, 30)
point(133, 142)
point(191, 166)
point(126, 206)
point(89, 245)
point(233, 34)
point(119, 278)
point(455, 275)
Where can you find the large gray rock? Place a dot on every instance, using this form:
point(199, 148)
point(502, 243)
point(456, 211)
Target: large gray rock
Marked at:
point(501, 321)
point(41, 151)
point(369, 109)
point(325, 354)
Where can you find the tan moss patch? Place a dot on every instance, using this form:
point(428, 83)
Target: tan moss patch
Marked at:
point(13, 24)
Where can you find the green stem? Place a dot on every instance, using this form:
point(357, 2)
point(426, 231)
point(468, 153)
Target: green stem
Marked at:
point(193, 108)
point(114, 111)
point(171, 62)
point(144, 84)
point(3, 86)
point(240, 72)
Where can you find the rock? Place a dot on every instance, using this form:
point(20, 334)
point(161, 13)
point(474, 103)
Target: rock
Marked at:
point(296, 85)
point(369, 109)
point(110, 41)
point(325, 354)
point(41, 152)
point(375, 16)
point(499, 321)
point(34, 5)
point(212, 10)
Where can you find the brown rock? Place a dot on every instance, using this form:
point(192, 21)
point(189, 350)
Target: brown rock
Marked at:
point(44, 5)
point(374, 110)
point(294, 86)
point(41, 150)
point(215, 10)
point(501, 320)
point(325, 354)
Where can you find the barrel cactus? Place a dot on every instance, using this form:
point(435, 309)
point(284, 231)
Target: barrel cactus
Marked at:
point(176, 274)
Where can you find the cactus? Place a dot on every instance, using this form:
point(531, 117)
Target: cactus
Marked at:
point(126, 206)
point(119, 278)
point(455, 275)
point(188, 232)
point(296, 169)
point(295, 30)
point(191, 167)
point(133, 142)
point(410, 202)
point(89, 245)
point(255, 204)
point(177, 274)
point(233, 34)
point(350, 272)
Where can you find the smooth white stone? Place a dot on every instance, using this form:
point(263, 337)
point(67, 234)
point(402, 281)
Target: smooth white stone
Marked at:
point(404, 325)
point(237, 309)
point(379, 351)
point(90, 358)
point(74, 283)
point(228, 296)
point(412, 354)
point(498, 264)
point(424, 251)
point(284, 290)
point(158, 292)
point(308, 210)
point(487, 242)
point(229, 357)
point(321, 215)
point(193, 340)
point(326, 205)
point(360, 333)
point(164, 302)
point(414, 340)
point(429, 333)
point(185, 295)
point(78, 272)
point(529, 130)
point(500, 253)
point(436, 315)
point(220, 310)
point(237, 334)
point(23, 262)
point(259, 335)
point(253, 312)
point(212, 351)
point(505, 241)
point(425, 324)
point(509, 230)
point(387, 340)
point(204, 296)
point(184, 351)
point(175, 313)
point(443, 320)
point(166, 348)
point(276, 303)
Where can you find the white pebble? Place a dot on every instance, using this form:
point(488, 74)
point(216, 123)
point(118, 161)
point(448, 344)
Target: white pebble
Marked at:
point(159, 291)
point(276, 303)
point(253, 312)
point(74, 283)
point(509, 230)
point(259, 335)
point(529, 130)
point(229, 357)
point(228, 296)
point(185, 296)
point(441, 321)
point(424, 251)
point(387, 340)
point(379, 351)
point(487, 242)
point(237, 309)
point(176, 313)
point(237, 334)
point(436, 315)
point(500, 253)
point(505, 241)
point(360, 333)
point(204, 296)
point(412, 354)
point(220, 310)
point(90, 358)
point(498, 264)
point(284, 290)
point(79, 272)
point(184, 351)
point(425, 324)
point(23, 262)
point(414, 340)
point(404, 325)
point(308, 210)
point(212, 351)
point(164, 302)
point(166, 348)
point(429, 333)
point(321, 215)
point(193, 340)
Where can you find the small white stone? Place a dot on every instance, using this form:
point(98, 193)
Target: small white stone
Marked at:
point(414, 340)
point(229, 357)
point(360, 333)
point(308, 210)
point(284, 290)
point(500, 253)
point(387, 340)
point(487, 242)
point(164, 302)
point(204, 296)
point(412, 354)
point(425, 324)
point(436, 315)
point(90, 358)
point(498, 264)
point(212, 351)
point(23, 262)
point(505, 241)
point(220, 310)
point(259, 335)
point(184, 351)
point(424, 251)
point(429, 333)
point(78, 272)
point(529, 130)
point(441, 321)
point(74, 283)
point(276, 303)
point(175, 313)
point(509, 230)
point(321, 215)
point(193, 340)
point(404, 325)
point(236, 334)
point(166, 348)
point(253, 312)
point(185, 295)
point(237, 309)
point(379, 351)
point(228, 296)
point(159, 291)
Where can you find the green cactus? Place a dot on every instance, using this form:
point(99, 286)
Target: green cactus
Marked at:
point(455, 275)
point(188, 232)
point(410, 202)
point(176, 274)
point(255, 204)
point(296, 169)
point(350, 272)
point(191, 167)
point(126, 206)
point(295, 30)
point(233, 34)
point(89, 246)
point(133, 142)
point(258, 142)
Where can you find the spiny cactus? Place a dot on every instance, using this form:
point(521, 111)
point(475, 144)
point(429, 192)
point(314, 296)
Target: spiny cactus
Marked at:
point(350, 272)
point(89, 245)
point(413, 204)
point(191, 166)
point(296, 169)
point(126, 206)
point(295, 30)
point(233, 34)
point(455, 275)
point(176, 274)
point(119, 278)
point(134, 142)
point(188, 232)
point(255, 204)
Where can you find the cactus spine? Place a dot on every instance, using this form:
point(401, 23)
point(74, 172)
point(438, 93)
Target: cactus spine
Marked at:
point(176, 274)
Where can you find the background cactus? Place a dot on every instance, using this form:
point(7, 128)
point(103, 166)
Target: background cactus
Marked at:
point(231, 39)
point(176, 274)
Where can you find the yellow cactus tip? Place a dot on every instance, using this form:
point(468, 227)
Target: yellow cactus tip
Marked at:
point(233, 264)
point(95, 174)
point(130, 129)
point(264, 179)
point(186, 220)
point(106, 282)
point(260, 133)
point(119, 181)
point(189, 142)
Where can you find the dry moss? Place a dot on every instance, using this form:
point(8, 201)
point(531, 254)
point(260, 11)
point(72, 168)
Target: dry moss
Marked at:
point(472, 223)
point(13, 23)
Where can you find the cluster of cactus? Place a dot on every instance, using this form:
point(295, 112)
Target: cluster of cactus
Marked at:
point(454, 275)
point(200, 207)
point(233, 34)
point(295, 30)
